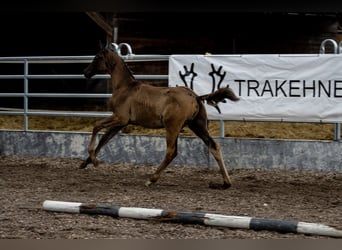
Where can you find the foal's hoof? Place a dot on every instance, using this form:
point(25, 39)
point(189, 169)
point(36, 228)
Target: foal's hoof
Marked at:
point(83, 165)
point(149, 183)
point(219, 186)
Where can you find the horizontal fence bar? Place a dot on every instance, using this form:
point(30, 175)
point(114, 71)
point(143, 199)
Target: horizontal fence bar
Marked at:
point(68, 95)
point(79, 59)
point(79, 76)
point(100, 76)
point(12, 94)
point(68, 113)
point(12, 113)
point(57, 113)
point(56, 95)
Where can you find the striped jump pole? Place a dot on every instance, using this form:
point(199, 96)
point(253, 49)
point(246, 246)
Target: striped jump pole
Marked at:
point(208, 219)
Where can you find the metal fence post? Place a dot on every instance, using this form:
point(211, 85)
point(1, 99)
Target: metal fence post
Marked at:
point(337, 50)
point(26, 90)
point(221, 128)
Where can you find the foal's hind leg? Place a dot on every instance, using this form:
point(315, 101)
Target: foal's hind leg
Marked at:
point(199, 127)
point(171, 153)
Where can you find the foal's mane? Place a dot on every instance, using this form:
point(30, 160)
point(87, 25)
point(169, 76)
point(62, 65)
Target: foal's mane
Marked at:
point(123, 61)
point(128, 69)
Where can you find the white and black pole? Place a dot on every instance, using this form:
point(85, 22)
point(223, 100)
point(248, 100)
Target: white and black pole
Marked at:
point(193, 218)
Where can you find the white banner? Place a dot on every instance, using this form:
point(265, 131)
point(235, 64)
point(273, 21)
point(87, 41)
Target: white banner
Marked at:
point(302, 87)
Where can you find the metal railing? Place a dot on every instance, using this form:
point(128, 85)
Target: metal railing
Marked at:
point(129, 57)
point(337, 49)
point(27, 61)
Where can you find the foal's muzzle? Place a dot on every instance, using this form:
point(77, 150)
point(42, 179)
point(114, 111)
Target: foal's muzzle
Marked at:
point(88, 73)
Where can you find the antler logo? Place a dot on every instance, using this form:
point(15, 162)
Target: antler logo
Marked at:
point(187, 73)
point(217, 76)
point(218, 73)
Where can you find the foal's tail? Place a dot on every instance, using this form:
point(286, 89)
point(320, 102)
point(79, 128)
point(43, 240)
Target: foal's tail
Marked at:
point(219, 96)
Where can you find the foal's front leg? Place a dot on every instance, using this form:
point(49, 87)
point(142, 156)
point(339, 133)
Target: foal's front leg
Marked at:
point(115, 125)
point(111, 132)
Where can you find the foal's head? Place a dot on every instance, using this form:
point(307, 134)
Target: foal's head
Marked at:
point(103, 62)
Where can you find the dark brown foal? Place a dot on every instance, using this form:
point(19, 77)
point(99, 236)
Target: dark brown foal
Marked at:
point(172, 108)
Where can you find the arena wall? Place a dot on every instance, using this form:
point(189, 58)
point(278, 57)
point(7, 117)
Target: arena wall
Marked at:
point(143, 149)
